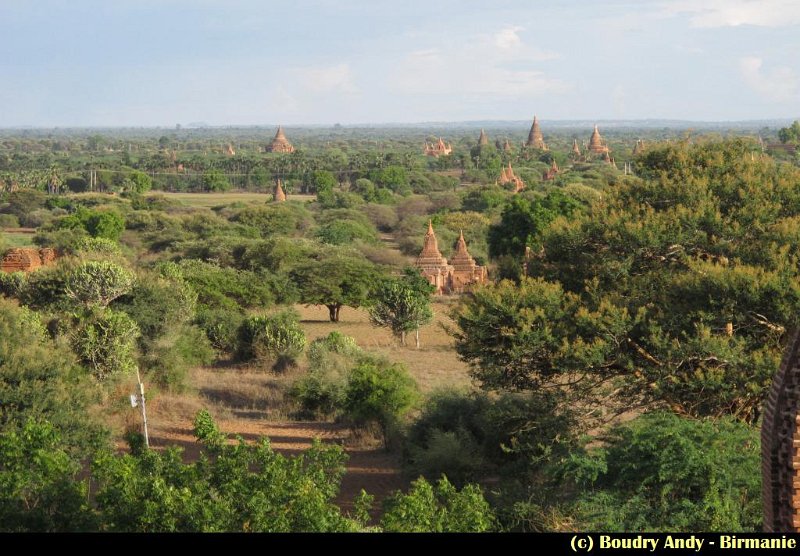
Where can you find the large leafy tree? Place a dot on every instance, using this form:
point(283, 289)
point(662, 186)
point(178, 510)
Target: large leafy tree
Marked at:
point(681, 285)
point(335, 279)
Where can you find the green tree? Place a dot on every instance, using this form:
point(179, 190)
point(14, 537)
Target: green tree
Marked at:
point(40, 380)
point(39, 486)
point(335, 280)
point(439, 508)
point(380, 394)
point(232, 487)
point(142, 183)
point(216, 181)
point(790, 134)
point(402, 305)
point(662, 472)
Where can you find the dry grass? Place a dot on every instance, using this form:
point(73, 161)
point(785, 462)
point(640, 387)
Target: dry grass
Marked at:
point(208, 200)
point(17, 239)
point(434, 365)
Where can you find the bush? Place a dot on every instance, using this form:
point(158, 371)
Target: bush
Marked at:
point(221, 327)
point(8, 221)
point(277, 338)
point(106, 344)
point(439, 509)
point(322, 391)
point(345, 232)
point(379, 394)
point(99, 246)
point(98, 283)
point(662, 472)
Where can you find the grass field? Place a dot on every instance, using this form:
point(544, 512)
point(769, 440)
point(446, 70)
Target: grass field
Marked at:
point(207, 200)
point(16, 239)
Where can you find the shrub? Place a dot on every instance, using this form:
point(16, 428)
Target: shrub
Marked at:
point(221, 327)
point(662, 472)
point(440, 509)
point(106, 344)
point(322, 391)
point(345, 232)
point(8, 221)
point(380, 394)
point(277, 337)
point(98, 283)
point(98, 245)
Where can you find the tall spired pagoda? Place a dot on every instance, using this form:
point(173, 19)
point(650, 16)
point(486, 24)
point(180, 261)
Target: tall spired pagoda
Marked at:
point(483, 139)
point(596, 143)
point(576, 151)
point(280, 144)
point(535, 138)
point(448, 278)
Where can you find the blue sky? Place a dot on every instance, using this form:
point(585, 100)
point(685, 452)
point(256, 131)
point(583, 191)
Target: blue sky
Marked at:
point(243, 62)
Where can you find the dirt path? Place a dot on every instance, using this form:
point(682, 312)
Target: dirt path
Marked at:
point(369, 468)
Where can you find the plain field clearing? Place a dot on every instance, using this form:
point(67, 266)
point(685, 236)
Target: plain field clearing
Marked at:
point(16, 238)
point(251, 402)
point(208, 200)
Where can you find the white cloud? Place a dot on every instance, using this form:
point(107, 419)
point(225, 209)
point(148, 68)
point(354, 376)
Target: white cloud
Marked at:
point(331, 79)
point(779, 85)
point(500, 64)
point(733, 13)
point(508, 38)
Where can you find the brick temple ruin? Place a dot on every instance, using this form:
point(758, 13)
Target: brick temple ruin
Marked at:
point(597, 144)
point(26, 259)
point(456, 277)
point(280, 144)
point(437, 149)
point(507, 176)
point(279, 195)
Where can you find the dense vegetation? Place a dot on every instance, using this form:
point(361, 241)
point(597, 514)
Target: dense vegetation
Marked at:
point(620, 355)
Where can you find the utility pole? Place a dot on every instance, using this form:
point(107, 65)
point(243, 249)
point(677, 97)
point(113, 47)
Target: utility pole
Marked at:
point(137, 400)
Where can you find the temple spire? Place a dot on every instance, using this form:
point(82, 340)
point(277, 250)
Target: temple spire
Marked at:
point(535, 137)
point(279, 195)
point(483, 139)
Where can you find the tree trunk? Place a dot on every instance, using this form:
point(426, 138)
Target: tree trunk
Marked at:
point(402, 337)
point(333, 312)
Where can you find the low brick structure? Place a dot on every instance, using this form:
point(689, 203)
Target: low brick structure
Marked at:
point(26, 259)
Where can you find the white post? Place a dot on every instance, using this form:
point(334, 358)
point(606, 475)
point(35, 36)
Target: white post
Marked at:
point(144, 412)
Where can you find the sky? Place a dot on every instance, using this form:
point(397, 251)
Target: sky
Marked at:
point(263, 62)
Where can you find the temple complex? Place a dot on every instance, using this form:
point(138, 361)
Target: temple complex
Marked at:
point(230, 151)
point(639, 147)
point(507, 146)
point(278, 196)
point(535, 138)
point(483, 139)
point(438, 148)
point(507, 175)
point(280, 144)
point(448, 278)
point(26, 259)
point(551, 173)
point(596, 143)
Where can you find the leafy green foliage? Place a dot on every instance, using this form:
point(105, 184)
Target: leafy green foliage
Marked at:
point(322, 391)
point(98, 283)
point(402, 304)
point(39, 380)
point(241, 487)
point(335, 280)
point(523, 220)
point(39, 491)
point(662, 472)
point(379, 394)
point(106, 224)
point(439, 508)
point(277, 338)
point(106, 344)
